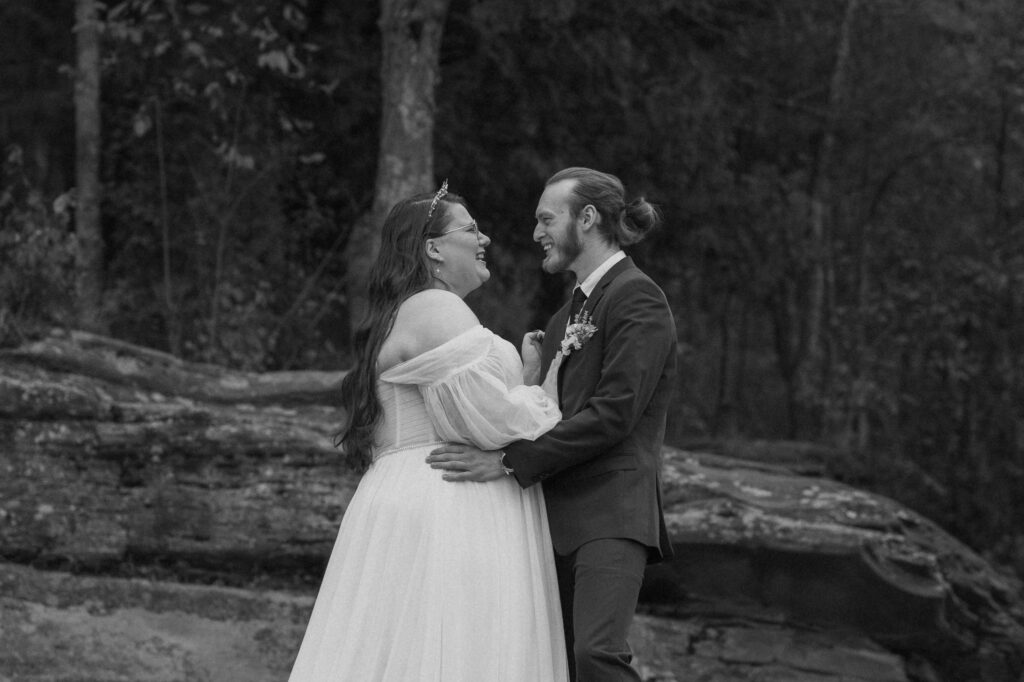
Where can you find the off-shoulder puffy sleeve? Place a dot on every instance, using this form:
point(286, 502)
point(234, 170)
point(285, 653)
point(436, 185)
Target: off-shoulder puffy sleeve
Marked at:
point(473, 389)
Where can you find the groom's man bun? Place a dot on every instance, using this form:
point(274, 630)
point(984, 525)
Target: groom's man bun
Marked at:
point(620, 223)
point(639, 218)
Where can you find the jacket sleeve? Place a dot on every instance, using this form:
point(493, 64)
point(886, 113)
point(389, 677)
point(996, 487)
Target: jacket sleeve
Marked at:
point(639, 337)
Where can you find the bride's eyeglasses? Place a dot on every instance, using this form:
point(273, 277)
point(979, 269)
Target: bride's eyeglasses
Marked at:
point(471, 226)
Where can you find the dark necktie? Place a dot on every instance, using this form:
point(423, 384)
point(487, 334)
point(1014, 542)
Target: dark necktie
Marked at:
point(578, 300)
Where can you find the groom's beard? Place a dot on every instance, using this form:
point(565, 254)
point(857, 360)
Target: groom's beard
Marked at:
point(564, 252)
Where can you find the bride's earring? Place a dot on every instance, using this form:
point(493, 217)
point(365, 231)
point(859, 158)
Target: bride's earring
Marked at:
point(440, 280)
point(434, 255)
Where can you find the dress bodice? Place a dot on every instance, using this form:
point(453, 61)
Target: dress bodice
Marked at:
point(467, 390)
point(405, 422)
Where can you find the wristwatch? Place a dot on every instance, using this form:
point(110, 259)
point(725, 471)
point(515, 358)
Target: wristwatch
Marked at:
point(504, 467)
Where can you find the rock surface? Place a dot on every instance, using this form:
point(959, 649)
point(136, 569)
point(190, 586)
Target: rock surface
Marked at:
point(56, 627)
point(120, 460)
point(826, 554)
point(110, 453)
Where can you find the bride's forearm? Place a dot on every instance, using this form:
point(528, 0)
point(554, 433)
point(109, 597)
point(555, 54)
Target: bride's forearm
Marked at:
point(530, 353)
point(531, 375)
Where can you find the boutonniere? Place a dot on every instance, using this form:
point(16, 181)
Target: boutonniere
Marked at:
point(577, 333)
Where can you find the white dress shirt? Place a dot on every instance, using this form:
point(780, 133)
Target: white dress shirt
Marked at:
point(591, 281)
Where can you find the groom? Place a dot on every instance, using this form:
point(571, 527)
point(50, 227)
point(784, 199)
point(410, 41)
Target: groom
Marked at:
point(599, 466)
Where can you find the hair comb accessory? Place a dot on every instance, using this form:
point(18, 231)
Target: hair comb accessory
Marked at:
point(437, 197)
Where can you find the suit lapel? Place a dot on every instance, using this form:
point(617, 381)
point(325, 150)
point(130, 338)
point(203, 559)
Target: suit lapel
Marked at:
point(616, 270)
point(553, 336)
point(590, 305)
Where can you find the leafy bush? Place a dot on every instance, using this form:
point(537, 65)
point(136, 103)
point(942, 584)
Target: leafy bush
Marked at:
point(222, 207)
point(36, 255)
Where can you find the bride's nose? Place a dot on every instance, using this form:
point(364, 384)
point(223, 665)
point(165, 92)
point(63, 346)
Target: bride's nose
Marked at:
point(483, 239)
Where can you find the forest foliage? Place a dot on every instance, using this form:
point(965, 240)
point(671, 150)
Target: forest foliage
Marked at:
point(843, 184)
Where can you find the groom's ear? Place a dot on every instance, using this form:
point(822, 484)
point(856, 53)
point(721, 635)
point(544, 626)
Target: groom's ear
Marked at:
point(588, 216)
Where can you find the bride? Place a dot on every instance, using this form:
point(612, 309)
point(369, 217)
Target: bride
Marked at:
point(430, 580)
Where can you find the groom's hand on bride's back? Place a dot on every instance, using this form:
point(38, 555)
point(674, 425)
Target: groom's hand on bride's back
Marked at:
point(466, 463)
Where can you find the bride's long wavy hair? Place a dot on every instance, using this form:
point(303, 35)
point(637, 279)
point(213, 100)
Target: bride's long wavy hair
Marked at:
point(401, 270)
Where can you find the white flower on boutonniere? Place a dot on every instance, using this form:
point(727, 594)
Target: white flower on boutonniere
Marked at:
point(577, 333)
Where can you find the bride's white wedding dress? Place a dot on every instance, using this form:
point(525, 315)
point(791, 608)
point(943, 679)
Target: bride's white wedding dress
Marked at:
point(436, 580)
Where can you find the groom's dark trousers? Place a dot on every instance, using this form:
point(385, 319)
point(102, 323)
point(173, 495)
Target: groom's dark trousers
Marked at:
point(600, 466)
point(599, 584)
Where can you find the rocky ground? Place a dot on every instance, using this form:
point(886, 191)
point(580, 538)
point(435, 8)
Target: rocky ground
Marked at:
point(121, 461)
point(58, 627)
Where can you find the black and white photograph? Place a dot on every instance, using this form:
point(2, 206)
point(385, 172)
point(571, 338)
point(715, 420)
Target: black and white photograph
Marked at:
point(511, 341)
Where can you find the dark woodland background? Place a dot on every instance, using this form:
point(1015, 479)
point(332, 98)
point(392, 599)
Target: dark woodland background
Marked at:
point(842, 182)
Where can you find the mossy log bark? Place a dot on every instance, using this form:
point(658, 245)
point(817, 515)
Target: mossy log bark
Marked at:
point(113, 454)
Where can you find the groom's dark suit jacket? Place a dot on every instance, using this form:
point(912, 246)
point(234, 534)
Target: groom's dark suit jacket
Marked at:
point(600, 464)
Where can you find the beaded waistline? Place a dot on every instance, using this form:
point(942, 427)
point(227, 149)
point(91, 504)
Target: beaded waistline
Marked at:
point(418, 446)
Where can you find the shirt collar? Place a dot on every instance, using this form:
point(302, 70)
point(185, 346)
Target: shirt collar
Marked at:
point(591, 281)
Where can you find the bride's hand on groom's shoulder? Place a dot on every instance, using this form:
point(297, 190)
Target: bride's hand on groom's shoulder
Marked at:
point(531, 356)
point(466, 463)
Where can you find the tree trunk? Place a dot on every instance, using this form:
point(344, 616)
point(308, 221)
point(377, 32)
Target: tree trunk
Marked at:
point(89, 265)
point(821, 200)
point(172, 316)
point(725, 418)
point(411, 33)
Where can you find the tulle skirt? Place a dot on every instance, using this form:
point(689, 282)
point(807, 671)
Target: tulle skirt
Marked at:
point(436, 580)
